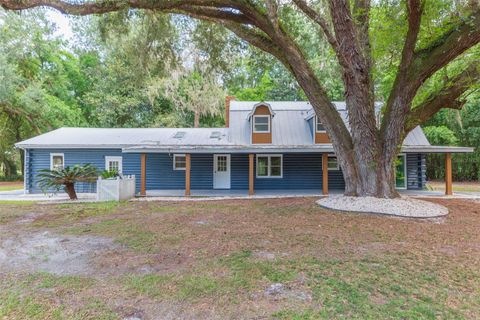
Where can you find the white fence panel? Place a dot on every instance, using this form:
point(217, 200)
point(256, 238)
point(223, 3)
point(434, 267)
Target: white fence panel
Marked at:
point(116, 189)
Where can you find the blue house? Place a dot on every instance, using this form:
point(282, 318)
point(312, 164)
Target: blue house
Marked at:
point(269, 146)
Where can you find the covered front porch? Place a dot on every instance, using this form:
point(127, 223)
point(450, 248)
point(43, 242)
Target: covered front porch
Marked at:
point(237, 174)
point(300, 174)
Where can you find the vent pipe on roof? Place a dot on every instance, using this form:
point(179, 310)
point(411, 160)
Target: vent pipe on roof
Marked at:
point(227, 110)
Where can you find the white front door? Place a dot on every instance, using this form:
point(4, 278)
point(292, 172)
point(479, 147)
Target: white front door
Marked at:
point(221, 171)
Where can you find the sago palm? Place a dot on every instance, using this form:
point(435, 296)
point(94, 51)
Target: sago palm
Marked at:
point(66, 177)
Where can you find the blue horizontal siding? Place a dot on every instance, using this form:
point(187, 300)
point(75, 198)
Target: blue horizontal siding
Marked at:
point(239, 171)
point(300, 171)
point(201, 176)
point(416, 171)
point(39, 159)
point(131, 166)
point(160, 174)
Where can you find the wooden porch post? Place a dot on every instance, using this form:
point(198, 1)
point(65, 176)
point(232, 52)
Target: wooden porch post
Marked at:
point(187, 174)
point(143, 174)
point(251, 190)
point(325, 173)
point(448, 174)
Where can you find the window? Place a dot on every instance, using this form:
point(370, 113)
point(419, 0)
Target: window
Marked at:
point(269, 166)
point(179, 162)
point(222, 164)
point(261, 124)
point(332, 163)
point(319, 126)
point(113, 164)
point(401, 172)
point(57, 161)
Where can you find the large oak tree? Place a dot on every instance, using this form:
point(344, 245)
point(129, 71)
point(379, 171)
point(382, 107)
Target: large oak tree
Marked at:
point(368, 149)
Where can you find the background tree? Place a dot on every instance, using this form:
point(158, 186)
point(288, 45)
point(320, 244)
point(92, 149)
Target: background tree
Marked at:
point(396, 51)
point(35, 84)
point(192, 91)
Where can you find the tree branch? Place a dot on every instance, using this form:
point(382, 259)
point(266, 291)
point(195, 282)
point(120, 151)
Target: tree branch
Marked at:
point(447, 47)
point(214, 13)
point(400, 98)
point(450, 96)
point(256, 38)
point(316, 17)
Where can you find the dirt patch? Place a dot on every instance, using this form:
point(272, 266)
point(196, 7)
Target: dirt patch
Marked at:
point(47, 252)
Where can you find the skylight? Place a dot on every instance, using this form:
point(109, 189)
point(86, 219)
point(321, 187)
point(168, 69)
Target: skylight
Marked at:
point(216, 135)
point(179, 135)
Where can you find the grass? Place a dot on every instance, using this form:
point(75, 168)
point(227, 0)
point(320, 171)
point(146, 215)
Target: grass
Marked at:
point(10, 186)
point(331, 266)
point(473, 186)
point(15, 304)
point(70, 213)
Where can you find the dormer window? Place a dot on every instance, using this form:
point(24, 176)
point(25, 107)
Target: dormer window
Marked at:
point(319, 126)
point(261, 124)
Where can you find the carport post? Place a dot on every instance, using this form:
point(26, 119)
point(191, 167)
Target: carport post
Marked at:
point(187, 175)
point(448, 174)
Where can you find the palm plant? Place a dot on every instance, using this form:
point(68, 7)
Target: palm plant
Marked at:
point(66, 177)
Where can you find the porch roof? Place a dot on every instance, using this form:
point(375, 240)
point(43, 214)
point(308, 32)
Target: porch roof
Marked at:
point(323, 148)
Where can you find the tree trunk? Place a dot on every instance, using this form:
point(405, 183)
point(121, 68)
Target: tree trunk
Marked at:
point(70, 190)
point(196, 119)
point(377, 179)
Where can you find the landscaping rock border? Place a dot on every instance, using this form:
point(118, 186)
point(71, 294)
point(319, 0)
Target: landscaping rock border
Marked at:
point(401, 207)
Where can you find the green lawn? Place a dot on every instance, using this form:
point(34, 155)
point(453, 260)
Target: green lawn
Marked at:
point(220, 259)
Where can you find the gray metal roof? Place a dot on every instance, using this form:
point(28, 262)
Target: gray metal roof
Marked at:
point(119, 138)
point(290, 132)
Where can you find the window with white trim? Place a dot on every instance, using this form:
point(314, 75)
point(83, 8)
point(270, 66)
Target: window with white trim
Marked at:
point(57, 161)
point(332, 163)
point(261, 124)
point(269, 166)
point(113, 163)
point(319, 126)
point(179, 162)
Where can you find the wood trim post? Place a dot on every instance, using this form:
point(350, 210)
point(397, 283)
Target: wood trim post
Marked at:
point(251, 176)
point(187, 175)
point(143, 174)
point(325, 173)
point(448, 174)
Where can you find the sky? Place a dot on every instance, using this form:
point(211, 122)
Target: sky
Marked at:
point(63, 26)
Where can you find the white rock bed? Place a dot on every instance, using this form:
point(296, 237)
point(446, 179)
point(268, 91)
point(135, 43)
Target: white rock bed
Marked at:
point(401, 207)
